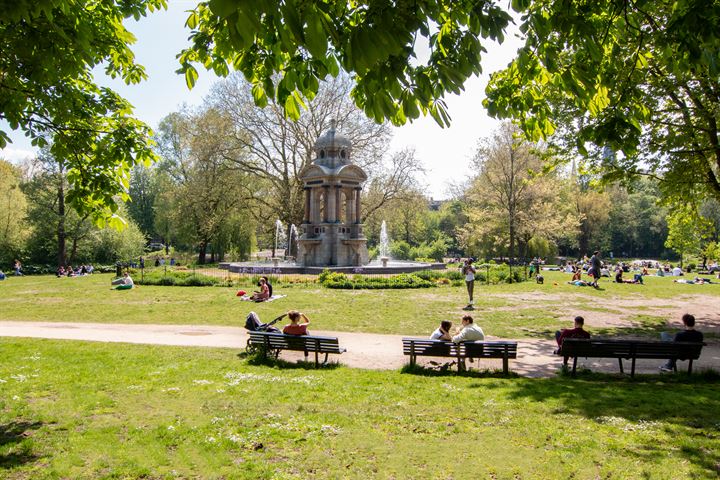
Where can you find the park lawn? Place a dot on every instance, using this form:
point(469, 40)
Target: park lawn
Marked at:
point(88, 410)
point(510, 311)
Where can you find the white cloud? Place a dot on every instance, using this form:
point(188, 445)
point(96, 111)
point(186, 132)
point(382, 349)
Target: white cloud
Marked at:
point(16, 155)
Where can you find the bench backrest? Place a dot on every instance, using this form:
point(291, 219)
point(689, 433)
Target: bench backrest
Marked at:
point(307, 343)
point(575, 347)
point(440, 348)
point(497, 349)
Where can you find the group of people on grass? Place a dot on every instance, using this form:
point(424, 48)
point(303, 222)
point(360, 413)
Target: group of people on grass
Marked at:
point(69, 271)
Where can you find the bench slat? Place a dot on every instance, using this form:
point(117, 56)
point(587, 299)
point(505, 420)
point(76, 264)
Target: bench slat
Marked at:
point(478, 349)
point(630, 349)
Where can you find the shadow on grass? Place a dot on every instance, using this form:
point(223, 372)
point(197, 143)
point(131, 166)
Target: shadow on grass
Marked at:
point(685, 408)
point(445, 370)
point(258, 359)
point(12, 434)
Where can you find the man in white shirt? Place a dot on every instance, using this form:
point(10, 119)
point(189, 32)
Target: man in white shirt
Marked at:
point(677, 271)
point(470, 332)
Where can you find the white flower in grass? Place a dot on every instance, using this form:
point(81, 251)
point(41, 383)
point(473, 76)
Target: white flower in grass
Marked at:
point(220, 390)
point(172, 389)
point(134, 387)
point(234, 438)
point(171, 427)
point(202, 382)
point(3, 381)
point(15, 397)
point(330, 430)
point(210, 439)
point(19, 377)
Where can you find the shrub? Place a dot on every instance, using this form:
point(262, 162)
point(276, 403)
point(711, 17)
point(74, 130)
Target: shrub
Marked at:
point(340, 280)
point(179, 279)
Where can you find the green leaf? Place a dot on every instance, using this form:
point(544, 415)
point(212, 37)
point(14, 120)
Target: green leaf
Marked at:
point(191, 76)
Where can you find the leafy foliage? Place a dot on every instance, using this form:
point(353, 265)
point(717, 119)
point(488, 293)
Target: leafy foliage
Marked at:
point(174, 278)
point(49, 51)
point(633, 85)
point(307, 41)
point(330, 279)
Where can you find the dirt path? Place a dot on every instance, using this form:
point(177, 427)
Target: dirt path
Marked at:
point(371, 351)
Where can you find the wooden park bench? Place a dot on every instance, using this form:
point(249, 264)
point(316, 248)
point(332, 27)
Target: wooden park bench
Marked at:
point(630, 350)
point(275, 342)
point(422, 347)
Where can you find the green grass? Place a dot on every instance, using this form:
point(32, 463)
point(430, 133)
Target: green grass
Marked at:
point(510, 311)
point(95, 411)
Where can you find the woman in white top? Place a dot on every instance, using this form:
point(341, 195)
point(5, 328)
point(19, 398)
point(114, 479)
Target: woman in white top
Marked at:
point(442, 332)
point(469, 271)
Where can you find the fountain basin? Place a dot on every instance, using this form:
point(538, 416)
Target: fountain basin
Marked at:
point(288, 268)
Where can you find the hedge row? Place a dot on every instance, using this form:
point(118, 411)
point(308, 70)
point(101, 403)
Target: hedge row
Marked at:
point(340, 280)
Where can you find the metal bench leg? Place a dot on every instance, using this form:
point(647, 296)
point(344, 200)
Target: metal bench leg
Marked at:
point(574, 365)
point(412, 360)
point(690, 366)
point(632, 371)
point(316, 358)
point(505, 365)
point(326, 358)
point(621, 365)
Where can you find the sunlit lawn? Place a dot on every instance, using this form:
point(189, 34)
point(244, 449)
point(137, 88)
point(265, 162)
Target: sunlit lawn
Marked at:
point(512, 311)
point(80, 410)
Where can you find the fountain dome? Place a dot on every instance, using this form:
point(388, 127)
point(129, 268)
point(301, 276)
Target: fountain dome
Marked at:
point(332, 149)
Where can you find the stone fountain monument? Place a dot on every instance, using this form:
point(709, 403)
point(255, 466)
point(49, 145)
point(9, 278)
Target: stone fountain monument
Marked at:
point(332, 230)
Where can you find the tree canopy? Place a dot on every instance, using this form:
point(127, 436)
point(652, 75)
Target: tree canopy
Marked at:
point(632, 85)
point(48, 50)
point(639, 78)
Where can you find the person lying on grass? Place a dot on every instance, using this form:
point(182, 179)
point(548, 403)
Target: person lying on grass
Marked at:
point(295, 327)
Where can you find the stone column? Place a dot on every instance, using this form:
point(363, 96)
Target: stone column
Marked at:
point(337, 204)
point(348, 206)
point(306, 217)
point(357, 205)
point(326, 203)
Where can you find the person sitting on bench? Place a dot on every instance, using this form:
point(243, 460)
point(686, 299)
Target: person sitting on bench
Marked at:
point(442, 332)
point(470, 332)
point(295, 327)
point(576, 332)
point(687, 335)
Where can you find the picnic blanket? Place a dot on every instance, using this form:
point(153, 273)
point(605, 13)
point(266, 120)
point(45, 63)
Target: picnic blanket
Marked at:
point(247, 298)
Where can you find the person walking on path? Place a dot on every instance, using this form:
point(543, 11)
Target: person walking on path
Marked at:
point(469, 271)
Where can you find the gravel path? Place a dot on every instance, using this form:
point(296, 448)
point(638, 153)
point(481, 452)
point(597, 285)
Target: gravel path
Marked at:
point(364, 350)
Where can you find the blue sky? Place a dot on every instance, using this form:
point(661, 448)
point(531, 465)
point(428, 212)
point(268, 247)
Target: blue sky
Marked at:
point(445, 153)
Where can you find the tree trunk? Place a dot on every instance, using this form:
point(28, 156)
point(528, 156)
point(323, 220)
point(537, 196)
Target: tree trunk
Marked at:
point(61, 238)
point(201, 255)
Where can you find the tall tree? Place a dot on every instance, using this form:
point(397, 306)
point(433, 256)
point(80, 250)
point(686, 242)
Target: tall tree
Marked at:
point(142, 191)
point(509, 201)
point(49, 51)
point(197, 151)
point(14, 228)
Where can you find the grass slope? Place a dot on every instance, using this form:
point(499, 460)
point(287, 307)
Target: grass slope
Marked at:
point(97, 411)
point(511, 311)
